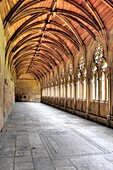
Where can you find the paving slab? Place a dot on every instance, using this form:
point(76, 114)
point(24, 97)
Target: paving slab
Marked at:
point(40, 137)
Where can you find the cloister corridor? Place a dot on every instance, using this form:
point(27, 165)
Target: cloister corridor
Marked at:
point(39, 137)
point(56, 84)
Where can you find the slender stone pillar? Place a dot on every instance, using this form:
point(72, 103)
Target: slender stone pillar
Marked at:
point(99, 88)
point(88, 96)
point(59, 94)
point(41, 93)
point(65, 95)
point(74, 109)
point(110, 98)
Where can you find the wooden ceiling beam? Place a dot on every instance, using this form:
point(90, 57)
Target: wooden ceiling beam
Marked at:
point(12, 12)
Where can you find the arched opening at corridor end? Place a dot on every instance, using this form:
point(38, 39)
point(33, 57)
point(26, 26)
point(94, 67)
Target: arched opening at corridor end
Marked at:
point(27, 89)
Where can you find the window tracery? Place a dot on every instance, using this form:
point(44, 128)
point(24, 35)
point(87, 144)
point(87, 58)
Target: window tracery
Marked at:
point(99, 82)
point(81, 79)
point(70, 84)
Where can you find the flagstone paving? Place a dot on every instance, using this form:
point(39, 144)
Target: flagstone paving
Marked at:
point(40, 137)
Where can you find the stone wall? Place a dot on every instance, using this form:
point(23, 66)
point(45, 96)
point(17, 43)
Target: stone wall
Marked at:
point(27, 89)
point(6, 82)
point(2, 59)
point(9, 92)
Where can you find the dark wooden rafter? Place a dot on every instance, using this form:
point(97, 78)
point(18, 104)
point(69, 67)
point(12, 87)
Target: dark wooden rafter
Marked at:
point(81, 8)
point(65, 35)
point(30, 48)
point(18, 8)
point(44, 28)
point(26, 39)
point(96, 15)
point(80, 18)
point(47, 57)
point(24, 28)
point(28, 12)
point(45, 68)
point(48, 41)
point(83, 26)
point(19, 33)
point(57, 42)
point(57, 46)
point(27, 5)
point(27, 56)
point(12, 12)
point(39, 69)
point(12, 60)
point(45, 51)
point(67, 31)
point(61, 41)
point(50, 51)
point(46, 61)
point(34, 39)
point(25, 25)
point(28, 42)
point(40, 14)
point(22, 51)
point(71, 27)
point(31, 63)
point(21, 57)
point(85, 11)
point(37, 76)
point(21, 60)
point(109, 3)
point(14, 36)
point(42, 58)
point(42, 72)
point(27, 30)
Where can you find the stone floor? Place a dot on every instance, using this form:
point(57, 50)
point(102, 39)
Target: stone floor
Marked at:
point(39, 137)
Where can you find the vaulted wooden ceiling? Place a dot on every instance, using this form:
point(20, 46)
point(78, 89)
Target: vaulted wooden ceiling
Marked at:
point(44, 33)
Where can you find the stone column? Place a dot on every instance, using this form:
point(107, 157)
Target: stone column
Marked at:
point(99, 89)
point(110, 83)
point(65, 95)
point(59, 93)
point(110, 98)
point(74, 109)
point(41, 94)
point(87, 96)
point(2, 70)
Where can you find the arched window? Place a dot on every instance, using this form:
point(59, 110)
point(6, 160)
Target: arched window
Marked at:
point(84, 89)
point(104, 81)
point(56, 87)
point(70, 84)
point(72, 87)
point(62, 84)
point(84, 74)
point(81, 80)
point(79, 86)
point(52, 87)
point(48, 90)
point(99, 81)
point(94, 83)
point(61, 91)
